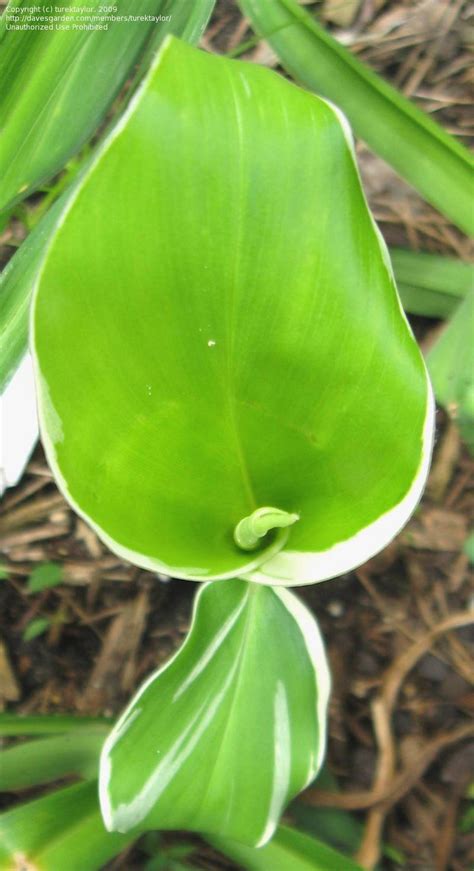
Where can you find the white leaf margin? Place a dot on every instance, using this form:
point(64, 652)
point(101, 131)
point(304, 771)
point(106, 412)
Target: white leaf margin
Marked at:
point(276, 566)
point(18, 424)
point(314, 644)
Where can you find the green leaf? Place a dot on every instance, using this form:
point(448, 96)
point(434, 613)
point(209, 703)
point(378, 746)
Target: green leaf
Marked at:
point(451, 366)
point(431, 160)
point(222, 737)
point(466, 822)
point(430, 284)
point(288, 849)
point(46, 759)
point(166, 857)
point(165, 862)
point(35, 628)
point(37, 55)
point(231, 337)
point(5, 219)
point(469, 548)
point(47, 724)
point(16, 285)
point(58, 85)
point(436, 286)
point(336, 828)
point(61, 830)
point(44, 576)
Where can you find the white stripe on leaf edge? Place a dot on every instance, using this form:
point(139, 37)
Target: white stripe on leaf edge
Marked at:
point(281, 763)
point(312, 637)
point(314, 644)
point(114, 820)
point(129, 715)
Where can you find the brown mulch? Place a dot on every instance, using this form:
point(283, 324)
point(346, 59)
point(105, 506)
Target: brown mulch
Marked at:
point(398, 630)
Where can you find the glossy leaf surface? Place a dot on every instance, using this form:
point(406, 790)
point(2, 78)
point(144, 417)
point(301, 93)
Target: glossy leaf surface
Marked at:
point(225, 734)
point(62, 830)
point(58, 84)
point(289, 850)
point(431, 160)
point(231, 337)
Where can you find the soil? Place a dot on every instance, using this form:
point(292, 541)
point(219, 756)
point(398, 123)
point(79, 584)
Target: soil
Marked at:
point(398, 630)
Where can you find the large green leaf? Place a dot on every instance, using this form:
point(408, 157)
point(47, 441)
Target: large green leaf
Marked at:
point(60, 831)
point(431, 160)
point(289, 850)
point(451, 365)
point(57, 84)
point(428, 285)
point(226, 733)
point(231, 337)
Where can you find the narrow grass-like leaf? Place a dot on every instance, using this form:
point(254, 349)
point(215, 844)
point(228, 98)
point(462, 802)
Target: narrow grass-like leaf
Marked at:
point(13, 725)
point(288, 849)
point(16, 284)
point(231, 340)
point(451, 365)
point(431, 160)
point(60, 831)
point(46, 759)
point(336, 828)
point(430, 284)
point(225, 734)
point(57, 84)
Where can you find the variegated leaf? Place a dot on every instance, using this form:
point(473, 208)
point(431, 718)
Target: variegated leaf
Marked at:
point(222, 737)
point(217, 334)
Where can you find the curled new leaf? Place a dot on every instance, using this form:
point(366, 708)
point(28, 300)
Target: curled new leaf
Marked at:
point(216, 329)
